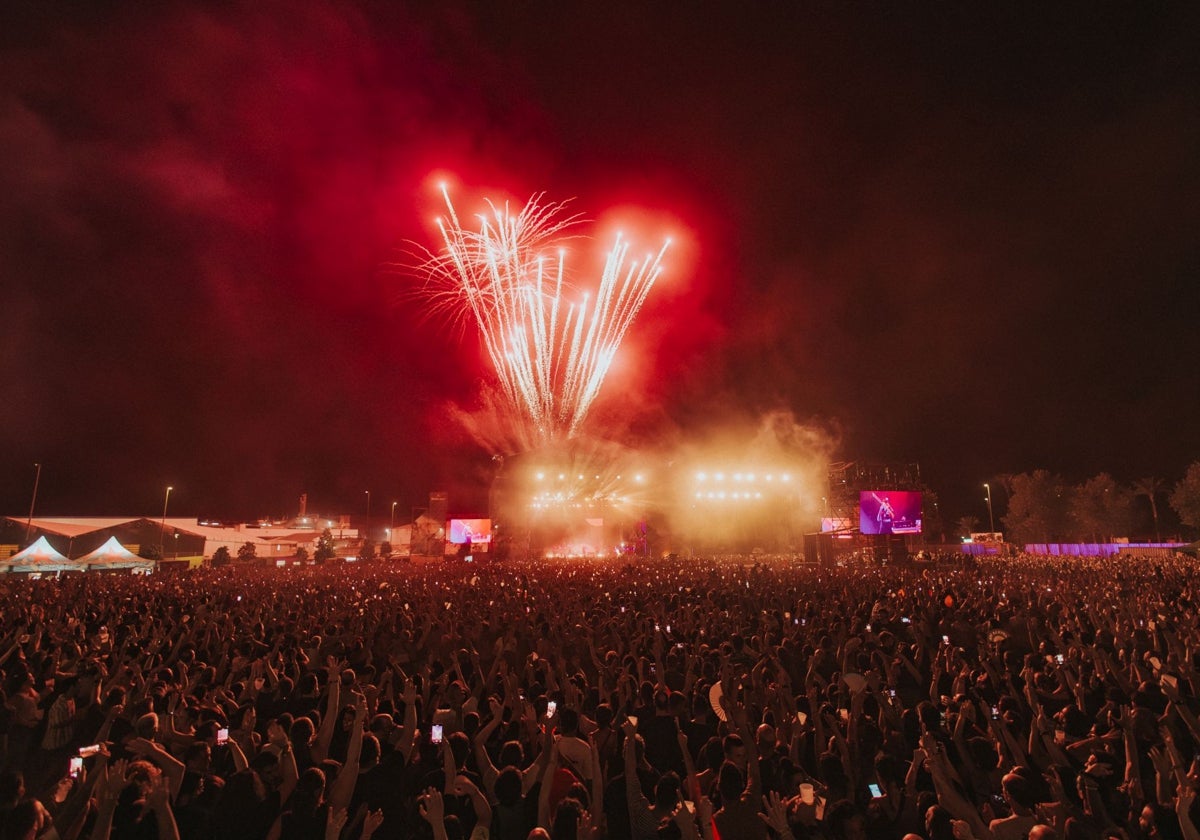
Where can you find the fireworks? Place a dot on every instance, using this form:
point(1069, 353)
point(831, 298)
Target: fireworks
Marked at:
point(550, 349)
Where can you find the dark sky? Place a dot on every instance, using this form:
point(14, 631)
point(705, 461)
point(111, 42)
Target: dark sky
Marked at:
point(963, 235)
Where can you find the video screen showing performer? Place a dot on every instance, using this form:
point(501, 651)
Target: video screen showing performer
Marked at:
point(889, 512)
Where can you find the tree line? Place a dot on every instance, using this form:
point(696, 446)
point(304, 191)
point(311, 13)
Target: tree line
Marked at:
point(1044, 507)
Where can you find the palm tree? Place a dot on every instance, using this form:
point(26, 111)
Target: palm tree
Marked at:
point(1150, 488)
point(968, 525)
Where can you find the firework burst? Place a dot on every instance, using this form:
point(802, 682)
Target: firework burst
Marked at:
point(550, 345)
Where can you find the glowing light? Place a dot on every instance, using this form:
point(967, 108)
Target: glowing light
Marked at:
point(550, 354)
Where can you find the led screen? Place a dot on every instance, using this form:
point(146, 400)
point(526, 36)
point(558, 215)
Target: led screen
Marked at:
point(464, 531)
point(889, 512)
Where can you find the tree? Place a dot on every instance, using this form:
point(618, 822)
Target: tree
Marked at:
point(1037, 511)
point(1185, 498)
point(1150, 488)
point(247, 551)
point(1005, 482)
point(385, 549)
point(1100, 509)
point(367, 551)
point(968, 525)
point(301, 553)
point(221, 556)
point(325, 552)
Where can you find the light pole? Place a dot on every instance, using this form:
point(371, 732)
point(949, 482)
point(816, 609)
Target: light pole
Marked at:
point(393, 526)
point(367, 529)
point(162, 528)
point(991, 519)
point(29, 522)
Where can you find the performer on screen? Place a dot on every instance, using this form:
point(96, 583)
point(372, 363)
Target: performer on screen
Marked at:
point(885, 515)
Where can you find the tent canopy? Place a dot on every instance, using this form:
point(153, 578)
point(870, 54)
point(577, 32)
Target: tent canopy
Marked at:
point(113, 555)
point(40, 557)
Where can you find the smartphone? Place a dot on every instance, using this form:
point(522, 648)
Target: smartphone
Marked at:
point(1059, 659)
point(84, 752)
point(1060, 736)
point(633, 719)
point(76, 767)
point(222, 737)
point(892, 693)
point(995, 713)
point(435, 733)
point(876, 793)
point(905, 620)
point(844, 714)
point(945, 640)
point(551, 708)
point(801, 718)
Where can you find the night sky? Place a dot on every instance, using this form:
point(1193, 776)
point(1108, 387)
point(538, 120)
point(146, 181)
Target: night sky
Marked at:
point(962, 235)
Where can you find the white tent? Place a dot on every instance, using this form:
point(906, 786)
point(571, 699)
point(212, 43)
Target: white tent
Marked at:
point(113, 555)
point(40, 557)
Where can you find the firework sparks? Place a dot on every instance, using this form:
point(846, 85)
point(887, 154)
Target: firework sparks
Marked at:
point(508, 274)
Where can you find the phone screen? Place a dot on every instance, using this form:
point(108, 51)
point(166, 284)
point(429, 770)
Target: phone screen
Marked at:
point(435, 733)
point(876, 793)
point(222, 736)
point(551, 708)
point(76, 767)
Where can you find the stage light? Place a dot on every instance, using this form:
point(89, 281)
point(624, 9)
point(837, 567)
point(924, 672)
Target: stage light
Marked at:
point(700, 476)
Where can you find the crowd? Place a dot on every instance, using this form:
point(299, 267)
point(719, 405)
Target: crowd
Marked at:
point(1006, 699)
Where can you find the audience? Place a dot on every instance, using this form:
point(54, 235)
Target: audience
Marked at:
point(992, 699)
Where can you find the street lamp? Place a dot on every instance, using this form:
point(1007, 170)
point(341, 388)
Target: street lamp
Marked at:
point(991, 519)
point(162, 528)
point(29, 522)
point(393, 526)
point(367, 529)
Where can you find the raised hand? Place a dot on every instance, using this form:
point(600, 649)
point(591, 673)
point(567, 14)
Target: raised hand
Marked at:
point(431, 806)
point(371, 822)
point(776, 813)
point(335, 821)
